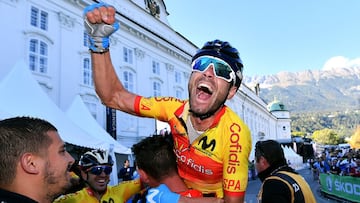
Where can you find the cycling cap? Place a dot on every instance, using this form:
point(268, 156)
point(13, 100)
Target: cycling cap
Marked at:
point(226, 52)
point(94, 158)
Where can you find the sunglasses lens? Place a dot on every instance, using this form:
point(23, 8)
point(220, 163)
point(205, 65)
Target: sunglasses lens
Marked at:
point(107, 170)
point(222, 69)
point(201, 64)
point(97, 170)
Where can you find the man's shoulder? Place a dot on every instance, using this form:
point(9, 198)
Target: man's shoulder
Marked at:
point(11, 197)
point(230, 118)
point(71, 197)
point(276, 183)
point(230, 114)
point(154, 105)
point(286, 177)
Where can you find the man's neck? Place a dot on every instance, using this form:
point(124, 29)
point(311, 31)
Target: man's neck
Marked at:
point(98, 195)
point(201, 125)
point(175, 183)
point(31, 191)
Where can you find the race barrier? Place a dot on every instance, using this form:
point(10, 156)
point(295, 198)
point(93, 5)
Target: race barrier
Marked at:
point(345, 187)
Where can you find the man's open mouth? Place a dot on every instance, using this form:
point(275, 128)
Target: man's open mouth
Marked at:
point(205, 88)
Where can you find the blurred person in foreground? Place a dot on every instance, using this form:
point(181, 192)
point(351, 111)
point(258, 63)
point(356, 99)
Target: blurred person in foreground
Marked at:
point(34, 164)
point(280, 183)
point(156, 165)
point(211, 142)
point(96, 167)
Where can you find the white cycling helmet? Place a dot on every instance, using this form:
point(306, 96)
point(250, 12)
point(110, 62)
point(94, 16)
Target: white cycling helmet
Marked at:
point(94, 158)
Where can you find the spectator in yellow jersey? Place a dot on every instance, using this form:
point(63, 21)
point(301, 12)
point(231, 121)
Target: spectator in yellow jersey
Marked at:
point(96, 166)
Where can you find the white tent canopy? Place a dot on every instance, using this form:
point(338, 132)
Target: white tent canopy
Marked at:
point(296, 161)
point(80, 115)
point(21, 95)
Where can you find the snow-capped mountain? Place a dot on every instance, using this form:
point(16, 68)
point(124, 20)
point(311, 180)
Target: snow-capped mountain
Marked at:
point(332, 88)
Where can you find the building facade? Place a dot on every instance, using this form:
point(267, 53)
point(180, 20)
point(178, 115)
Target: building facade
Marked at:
point(150, 58)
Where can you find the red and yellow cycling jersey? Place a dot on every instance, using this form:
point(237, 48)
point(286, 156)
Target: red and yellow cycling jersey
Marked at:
point(191, 193)
point(114, 194)
point(217, 160)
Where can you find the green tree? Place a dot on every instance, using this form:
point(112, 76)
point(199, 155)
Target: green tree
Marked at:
point(326, 137)
point(298, 134)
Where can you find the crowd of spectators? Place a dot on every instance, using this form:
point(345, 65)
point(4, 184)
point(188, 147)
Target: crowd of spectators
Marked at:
point(338, 161)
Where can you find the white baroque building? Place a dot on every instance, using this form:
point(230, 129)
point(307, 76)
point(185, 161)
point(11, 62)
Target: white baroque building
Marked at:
point(149, 56)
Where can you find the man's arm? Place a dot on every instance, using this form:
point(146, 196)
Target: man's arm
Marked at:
point(100, 23)
point(121, 173)
point(200, 200)
point(229, 199)
point(108, 86)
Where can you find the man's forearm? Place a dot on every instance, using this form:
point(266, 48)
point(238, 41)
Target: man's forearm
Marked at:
point(105, 77)
point(200, 200)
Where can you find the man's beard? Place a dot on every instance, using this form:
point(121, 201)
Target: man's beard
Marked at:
point(210, 112)
point(52, 183)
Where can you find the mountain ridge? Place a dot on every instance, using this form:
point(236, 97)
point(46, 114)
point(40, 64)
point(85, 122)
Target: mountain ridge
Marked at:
point(330, 89)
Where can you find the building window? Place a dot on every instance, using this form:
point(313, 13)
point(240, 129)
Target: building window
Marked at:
point(38, 56)
point(39, 18)
point(156, 68)
point(86, 39)
point(87, 72)
point(44, 20)
point(34, 16)
point(157, 89)
point(128, 55)
point(177, 77)
point(128, 80)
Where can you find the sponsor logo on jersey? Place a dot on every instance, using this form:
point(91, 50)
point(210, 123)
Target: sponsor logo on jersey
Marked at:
point(235, 148)
point(205, 145)
point(191, 162)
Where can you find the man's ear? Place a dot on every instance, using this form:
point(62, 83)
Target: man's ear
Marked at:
point(143, 176)
point(30, 163)
point(263, 161)
point(232, 91)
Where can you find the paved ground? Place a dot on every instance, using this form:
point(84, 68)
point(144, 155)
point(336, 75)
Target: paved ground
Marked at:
point(254, 186)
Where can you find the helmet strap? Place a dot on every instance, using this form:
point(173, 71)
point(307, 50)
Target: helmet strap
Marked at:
point(202, 116)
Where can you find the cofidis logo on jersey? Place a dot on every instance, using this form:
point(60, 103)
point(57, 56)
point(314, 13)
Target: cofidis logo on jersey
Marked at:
point(235, 148)
point(233, 159)
point(183, 156)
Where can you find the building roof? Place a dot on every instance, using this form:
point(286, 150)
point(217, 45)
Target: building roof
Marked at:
point(276, 105)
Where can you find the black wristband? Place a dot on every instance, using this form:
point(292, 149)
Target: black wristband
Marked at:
point(102, 51)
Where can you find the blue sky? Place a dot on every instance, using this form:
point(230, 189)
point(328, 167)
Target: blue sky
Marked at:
point(274, 36)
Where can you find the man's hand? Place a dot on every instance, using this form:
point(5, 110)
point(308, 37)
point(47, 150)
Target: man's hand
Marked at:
point(161, 194)
point(100, 23)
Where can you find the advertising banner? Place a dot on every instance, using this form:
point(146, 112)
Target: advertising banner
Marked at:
point(346, 187)
point(111, 121)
